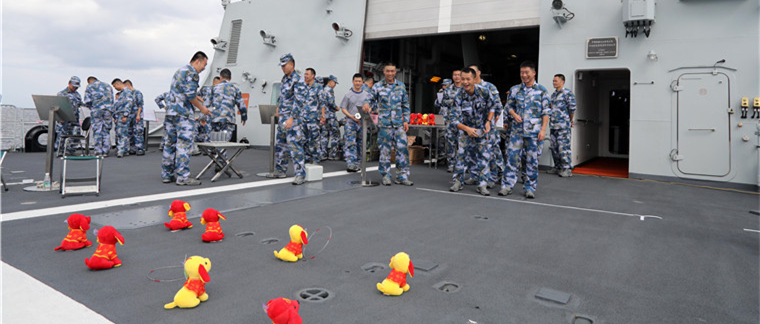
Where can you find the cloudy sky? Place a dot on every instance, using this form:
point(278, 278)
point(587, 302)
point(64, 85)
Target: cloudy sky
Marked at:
point(45, 42)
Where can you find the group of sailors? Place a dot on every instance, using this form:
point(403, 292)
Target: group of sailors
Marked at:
point(308, 130)
point(124, 110)
point(471, 108)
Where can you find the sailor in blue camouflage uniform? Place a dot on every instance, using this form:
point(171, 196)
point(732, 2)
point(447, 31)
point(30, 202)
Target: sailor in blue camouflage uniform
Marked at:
point(496, 161)
point(392, 102)
point(202, 123)
point(175, 162)
point(136, 122)
point(441, 110)
point(308, 103)
point(561, 123)
point(290, 136)
point(473, 114)
point(99, 98)
point(452, 134)
point(122, 108)
point(329, 139)
point(226, 96)
point(69, 128)
point(529, 106)
point(354, 98)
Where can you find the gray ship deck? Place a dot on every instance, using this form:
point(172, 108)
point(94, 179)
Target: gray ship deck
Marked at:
point(626, 251)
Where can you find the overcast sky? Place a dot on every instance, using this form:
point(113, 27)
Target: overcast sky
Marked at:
point(45, 42)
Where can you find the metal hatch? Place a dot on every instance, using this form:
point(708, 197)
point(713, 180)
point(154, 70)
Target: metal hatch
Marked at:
point(704, 135)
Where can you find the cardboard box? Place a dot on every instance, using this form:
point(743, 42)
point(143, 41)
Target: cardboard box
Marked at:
point(416, 154)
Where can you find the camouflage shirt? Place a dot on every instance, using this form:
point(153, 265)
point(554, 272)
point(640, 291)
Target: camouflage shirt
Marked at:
point(137, 100)
point(183, 89)
point(472, 109)
point(99, 96)
point(125, 103)
point(392, 103)
point(287, 98)
point(563, 104)
point(307, 104)
point(495, 93)
point(74, 98)
point(225, 96)
point(327, 98)
point(531, 104)
point(162, 99)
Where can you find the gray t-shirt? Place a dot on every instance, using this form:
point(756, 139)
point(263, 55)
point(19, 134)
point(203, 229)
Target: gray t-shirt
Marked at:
point(353, 99)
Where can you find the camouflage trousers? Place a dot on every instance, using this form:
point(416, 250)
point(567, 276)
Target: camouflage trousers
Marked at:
point(531, 148)
point(102, 121)
point(136, 134)
point(175, 161)
point(122, 135)
point(310, 129)
point(496, 162)
point(452, 146)
point(351, 148)
point(478, 148)
point(289, 145)
point(329, 140)
point(560, 148)
point(66, 128)
point(393, 137)
point(202, 133)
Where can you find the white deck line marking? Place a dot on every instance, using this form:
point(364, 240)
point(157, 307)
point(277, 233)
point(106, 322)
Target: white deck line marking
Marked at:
point(444, 16)
point(751, 230)
point(148, 198)
point(640, 217)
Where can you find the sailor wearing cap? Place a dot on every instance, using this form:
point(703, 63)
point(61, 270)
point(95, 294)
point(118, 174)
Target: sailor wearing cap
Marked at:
point(289, 132)
point(69, 128)
point(329, 140)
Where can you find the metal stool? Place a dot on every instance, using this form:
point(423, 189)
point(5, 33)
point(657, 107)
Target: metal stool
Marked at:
point(67, 189)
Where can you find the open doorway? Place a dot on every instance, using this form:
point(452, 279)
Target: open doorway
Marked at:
point(601, 135)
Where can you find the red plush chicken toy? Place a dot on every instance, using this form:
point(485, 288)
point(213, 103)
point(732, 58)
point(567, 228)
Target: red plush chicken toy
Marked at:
point(77, 237)
point(213, 229)
point(179, 218)
point(283, 311)
point(105, 256)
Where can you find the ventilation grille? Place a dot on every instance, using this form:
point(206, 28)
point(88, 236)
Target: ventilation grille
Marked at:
point(237, 25)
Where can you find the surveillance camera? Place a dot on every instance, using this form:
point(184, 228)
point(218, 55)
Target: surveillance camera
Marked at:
point(267, 37)
point(341, 31)
point(218, 43)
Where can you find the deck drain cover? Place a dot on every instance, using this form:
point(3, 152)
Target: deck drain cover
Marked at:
point(270, 240)
point(316, 295)
point(373, 267)
point(447, 286)
point(480, 217)
point(553, 296)
point(424, 265)
point(245, 234)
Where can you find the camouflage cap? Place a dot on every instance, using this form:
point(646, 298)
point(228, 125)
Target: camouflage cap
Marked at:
point(285, 58)
point(447, 81)
point(75, 81)
point(333, 78)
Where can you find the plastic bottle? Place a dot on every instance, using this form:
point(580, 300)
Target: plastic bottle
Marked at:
point(46, 181)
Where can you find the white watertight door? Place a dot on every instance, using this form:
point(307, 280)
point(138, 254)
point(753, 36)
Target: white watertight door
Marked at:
point(703, 130)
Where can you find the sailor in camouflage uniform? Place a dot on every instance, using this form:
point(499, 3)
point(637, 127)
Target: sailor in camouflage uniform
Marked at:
point(330, 129)
point(122, 108)
point(561, 122)
point(308, 103)
point(99, 98)
point(496, 163)
point(290, 136)
point(223, 101)
point(452, 134)
point(69, 128)
point(473, 114)
point(529, 105)
point(175, 163)
point(392, 102)
point(202, 124)
point(136, 122)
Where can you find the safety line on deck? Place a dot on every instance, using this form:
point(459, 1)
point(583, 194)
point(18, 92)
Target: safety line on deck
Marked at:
point(751, 230)
point(155, 197)
point(640, 217)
